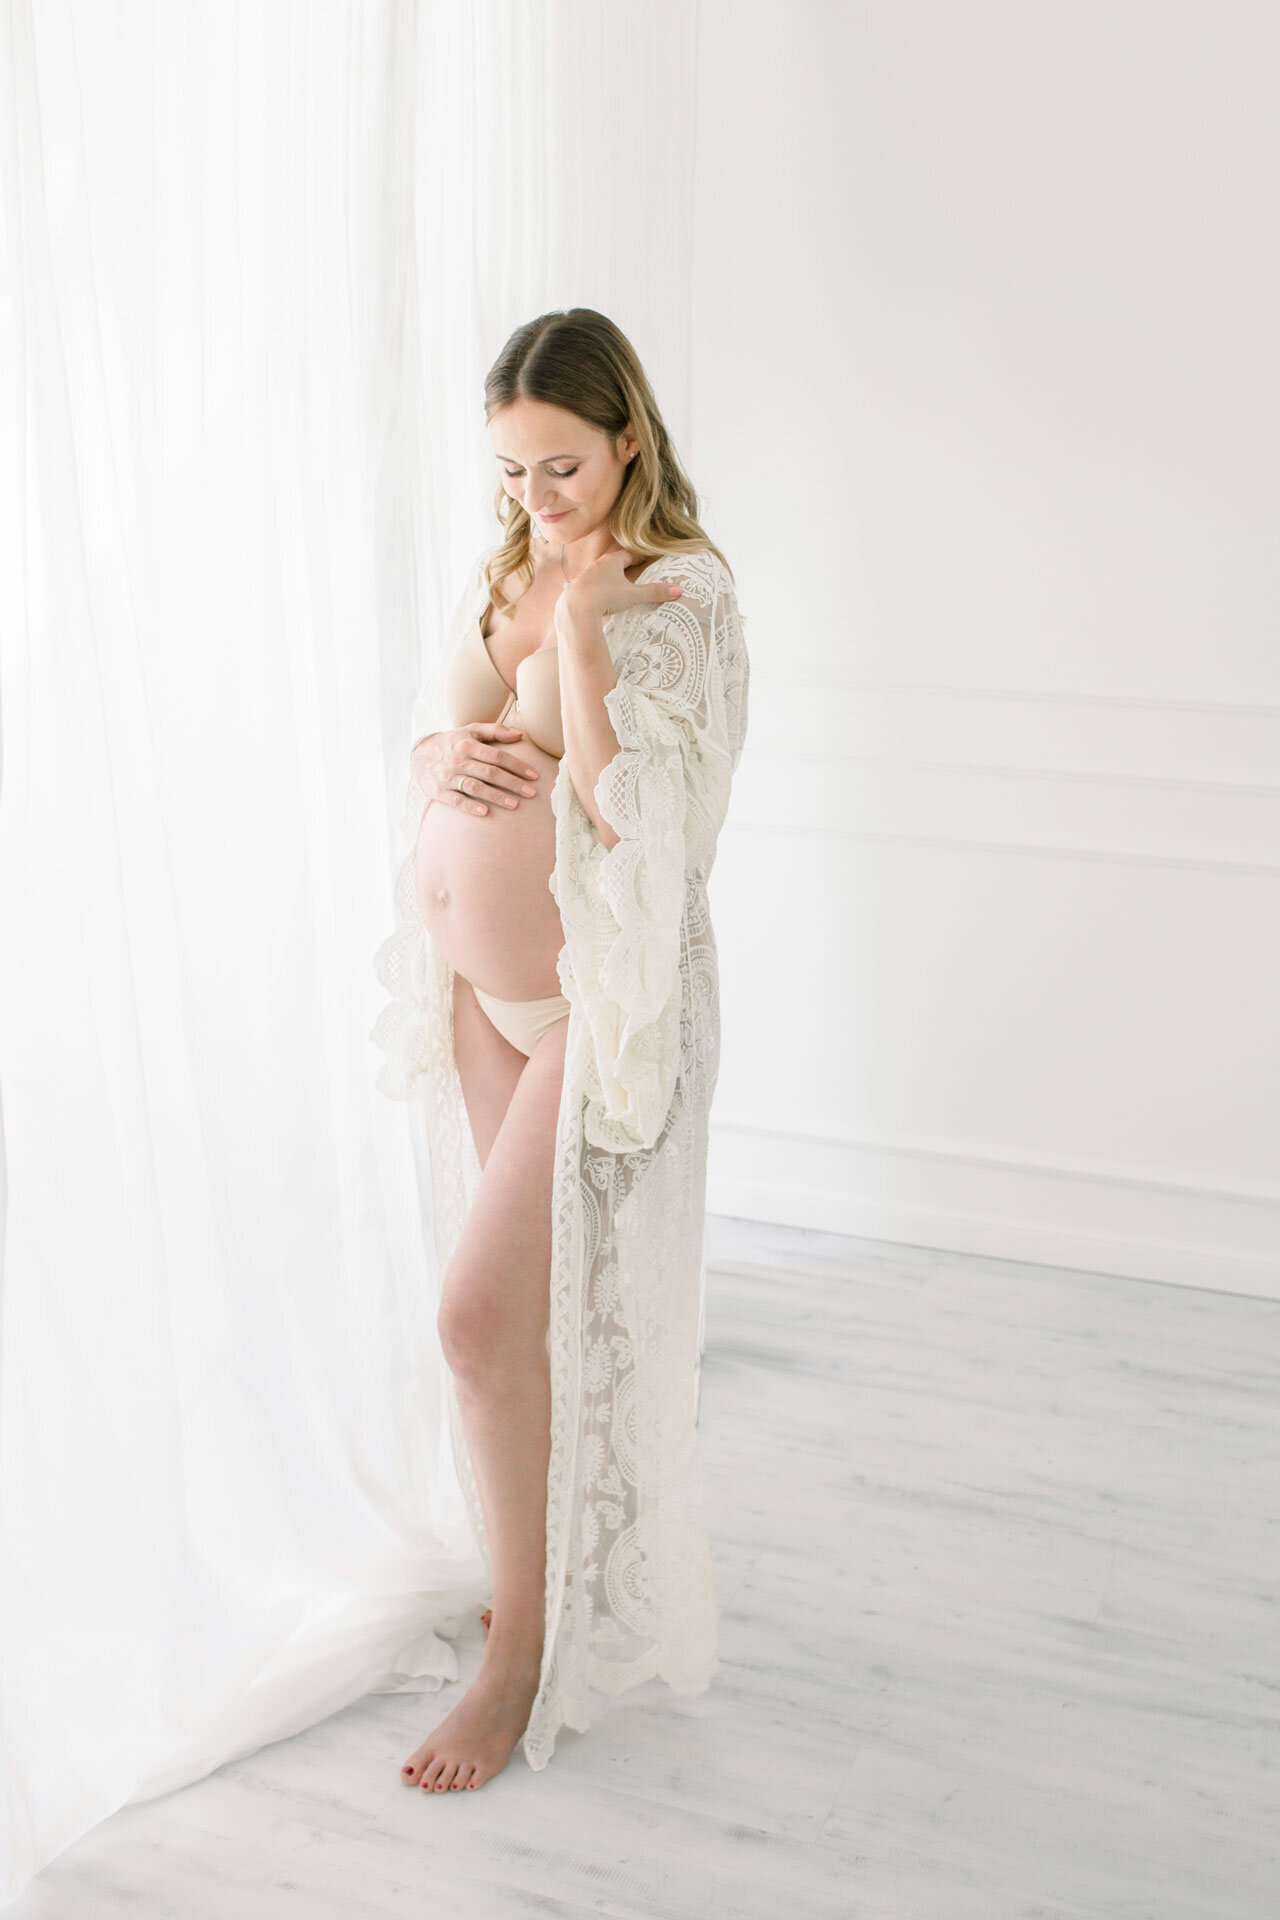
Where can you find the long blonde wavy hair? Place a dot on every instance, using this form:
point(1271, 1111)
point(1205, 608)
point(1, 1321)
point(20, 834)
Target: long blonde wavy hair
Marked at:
point(579, 360)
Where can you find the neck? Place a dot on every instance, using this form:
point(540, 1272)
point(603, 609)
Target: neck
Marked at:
point(577, 554)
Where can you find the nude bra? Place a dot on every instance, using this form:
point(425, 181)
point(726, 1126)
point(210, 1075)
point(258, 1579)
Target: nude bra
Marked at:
point(475, 690)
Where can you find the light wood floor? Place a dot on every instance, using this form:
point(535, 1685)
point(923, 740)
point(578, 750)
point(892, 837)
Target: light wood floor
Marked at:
point(998, 1555)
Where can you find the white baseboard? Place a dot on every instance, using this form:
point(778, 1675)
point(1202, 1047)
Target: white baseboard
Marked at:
point(1133, 1223)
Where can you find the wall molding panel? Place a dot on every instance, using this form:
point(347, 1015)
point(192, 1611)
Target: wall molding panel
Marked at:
point(999, 495)
point(838, 679)
point(1123, 856)
point(845, 755)
point(879, 782)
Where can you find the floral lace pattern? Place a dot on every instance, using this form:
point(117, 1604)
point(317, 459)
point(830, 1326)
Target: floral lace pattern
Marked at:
point(629, 1591)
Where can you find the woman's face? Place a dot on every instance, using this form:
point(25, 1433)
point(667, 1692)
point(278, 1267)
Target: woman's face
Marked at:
point(565, 473)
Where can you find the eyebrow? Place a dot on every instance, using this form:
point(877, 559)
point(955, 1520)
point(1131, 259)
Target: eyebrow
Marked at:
point(512, 462)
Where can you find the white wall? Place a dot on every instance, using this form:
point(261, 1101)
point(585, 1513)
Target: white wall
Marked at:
point(985, 412)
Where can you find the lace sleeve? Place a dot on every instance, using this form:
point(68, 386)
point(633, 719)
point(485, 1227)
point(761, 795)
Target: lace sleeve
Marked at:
point(679, 711)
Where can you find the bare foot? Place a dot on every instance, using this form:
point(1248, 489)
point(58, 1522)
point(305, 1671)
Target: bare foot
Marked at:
point(477, 1739)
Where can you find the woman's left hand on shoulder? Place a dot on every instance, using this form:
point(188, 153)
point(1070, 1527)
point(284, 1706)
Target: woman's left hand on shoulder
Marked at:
point(604, 588)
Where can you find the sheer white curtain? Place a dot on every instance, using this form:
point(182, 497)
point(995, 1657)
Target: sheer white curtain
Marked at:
point(228, 1498)
point(255, 263)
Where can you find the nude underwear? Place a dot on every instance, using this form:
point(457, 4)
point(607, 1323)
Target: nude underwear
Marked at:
point(523, 1022)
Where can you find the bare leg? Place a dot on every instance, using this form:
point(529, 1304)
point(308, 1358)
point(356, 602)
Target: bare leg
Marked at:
point(493, 1325)
point(489, 1067)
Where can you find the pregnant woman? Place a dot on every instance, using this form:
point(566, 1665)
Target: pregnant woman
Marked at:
point(555, 1006)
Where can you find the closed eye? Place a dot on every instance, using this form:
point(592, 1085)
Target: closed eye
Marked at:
point(557, 473)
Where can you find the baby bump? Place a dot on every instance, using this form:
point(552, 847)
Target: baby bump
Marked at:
point(483, 893)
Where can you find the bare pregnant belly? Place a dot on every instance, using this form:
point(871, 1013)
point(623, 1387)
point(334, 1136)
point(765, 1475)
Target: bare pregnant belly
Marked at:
point(482, 884)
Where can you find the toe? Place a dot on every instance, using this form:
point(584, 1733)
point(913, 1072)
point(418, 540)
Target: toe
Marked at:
point(411, 1772)
point(448, 1777)
point(430, 1773)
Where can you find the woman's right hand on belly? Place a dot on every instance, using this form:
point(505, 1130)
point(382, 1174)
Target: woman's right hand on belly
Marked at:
point(471, 767)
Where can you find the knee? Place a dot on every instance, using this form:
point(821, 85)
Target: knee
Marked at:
point(480, 1338)
point(467, 1324)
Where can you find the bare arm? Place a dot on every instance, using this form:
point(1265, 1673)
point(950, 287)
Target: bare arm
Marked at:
point(586, 675)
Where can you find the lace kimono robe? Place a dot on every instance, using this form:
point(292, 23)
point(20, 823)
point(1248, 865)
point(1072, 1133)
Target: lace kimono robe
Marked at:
point(629, 1591)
